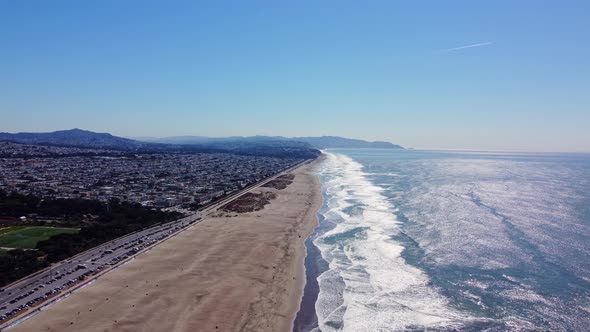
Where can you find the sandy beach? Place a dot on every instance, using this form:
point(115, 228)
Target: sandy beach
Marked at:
point(236, 272)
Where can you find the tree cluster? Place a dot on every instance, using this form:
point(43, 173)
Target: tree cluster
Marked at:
point(115, 219)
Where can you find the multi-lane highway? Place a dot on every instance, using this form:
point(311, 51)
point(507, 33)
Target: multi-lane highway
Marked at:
point(26, 296)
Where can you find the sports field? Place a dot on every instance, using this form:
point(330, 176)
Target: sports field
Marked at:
point(26, 237)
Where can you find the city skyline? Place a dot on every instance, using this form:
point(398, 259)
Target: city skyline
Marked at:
point(452, 75)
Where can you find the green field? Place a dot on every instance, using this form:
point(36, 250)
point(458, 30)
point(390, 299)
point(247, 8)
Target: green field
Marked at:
point(8, 229)
point(26, 237)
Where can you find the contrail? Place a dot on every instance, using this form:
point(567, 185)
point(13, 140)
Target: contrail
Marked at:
point(466, 46)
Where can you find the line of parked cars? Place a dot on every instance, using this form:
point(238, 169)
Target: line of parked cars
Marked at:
point(57, 277)
point(47, 294)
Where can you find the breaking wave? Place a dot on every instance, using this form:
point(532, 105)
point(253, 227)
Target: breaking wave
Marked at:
point(368, 285)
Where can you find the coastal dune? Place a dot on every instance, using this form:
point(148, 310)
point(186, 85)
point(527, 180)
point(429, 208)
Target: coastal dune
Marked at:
point(231, 272)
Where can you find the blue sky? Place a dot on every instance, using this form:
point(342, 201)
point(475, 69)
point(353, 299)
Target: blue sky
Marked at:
point(378, 70)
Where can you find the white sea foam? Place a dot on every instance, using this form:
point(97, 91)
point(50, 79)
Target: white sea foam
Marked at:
point(369, 286)
point(383, 174)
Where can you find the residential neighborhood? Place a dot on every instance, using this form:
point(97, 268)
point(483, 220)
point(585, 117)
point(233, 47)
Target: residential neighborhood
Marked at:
point(151, 179)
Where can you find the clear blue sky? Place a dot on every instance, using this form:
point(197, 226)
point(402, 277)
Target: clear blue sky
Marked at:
point(378, 70)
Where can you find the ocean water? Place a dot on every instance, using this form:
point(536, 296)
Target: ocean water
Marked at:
point(450, 241)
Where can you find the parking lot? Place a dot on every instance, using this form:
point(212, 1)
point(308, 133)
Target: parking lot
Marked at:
point(70, 273)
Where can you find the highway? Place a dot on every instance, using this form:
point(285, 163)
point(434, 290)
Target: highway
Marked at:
point(24, 297)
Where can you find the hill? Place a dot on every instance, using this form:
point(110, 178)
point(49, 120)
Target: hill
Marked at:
point(263, 146)
point(75, 137)
point(327, 142)
point(253, 145)
point(323, 142)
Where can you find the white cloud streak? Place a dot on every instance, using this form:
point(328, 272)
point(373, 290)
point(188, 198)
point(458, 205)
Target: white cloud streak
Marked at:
point(466, 46)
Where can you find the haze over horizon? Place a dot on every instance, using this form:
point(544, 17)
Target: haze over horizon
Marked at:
point(449, 75)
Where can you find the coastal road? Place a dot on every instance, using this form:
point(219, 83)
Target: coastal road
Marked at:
point(27, 296)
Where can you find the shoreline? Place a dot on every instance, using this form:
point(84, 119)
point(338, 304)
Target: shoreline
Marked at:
point(306, 318)
point(236, 272)
point(312, 223)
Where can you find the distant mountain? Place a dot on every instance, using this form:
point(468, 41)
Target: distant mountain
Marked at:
point(75, 137)
point(210, 140)
point(174, 139)
point(333, 142)
point(254, 145)
point(323, 142)
point(259, 146)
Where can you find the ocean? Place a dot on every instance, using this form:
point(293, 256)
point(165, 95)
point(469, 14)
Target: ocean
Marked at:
point(449, 241)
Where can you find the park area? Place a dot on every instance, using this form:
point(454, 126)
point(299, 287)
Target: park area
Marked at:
point(26, 237)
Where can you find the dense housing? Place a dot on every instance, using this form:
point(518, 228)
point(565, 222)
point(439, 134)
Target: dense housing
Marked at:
point(152, 179)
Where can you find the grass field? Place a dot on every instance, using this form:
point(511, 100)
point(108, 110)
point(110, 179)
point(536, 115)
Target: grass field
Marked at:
point(27, 236)
point(4, 230)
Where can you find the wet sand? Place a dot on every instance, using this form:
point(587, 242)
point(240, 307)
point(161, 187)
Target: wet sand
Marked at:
point(242, 272)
